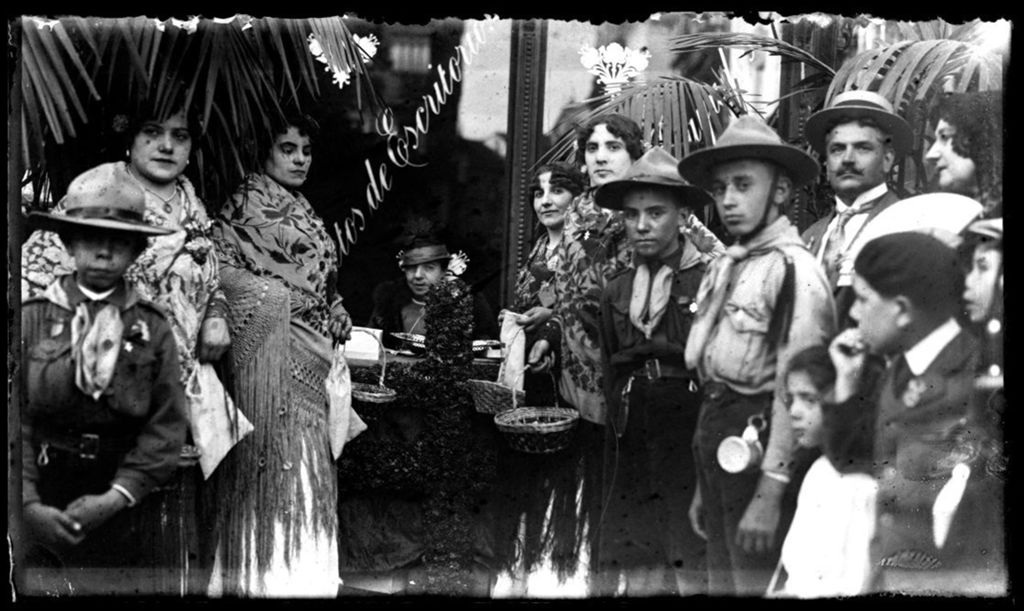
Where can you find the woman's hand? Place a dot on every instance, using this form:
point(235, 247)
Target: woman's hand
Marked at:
point(341, 323)
point(214, 339)
point(533, 318)
point(540, 359)
point(52, 526)
point(92, 510)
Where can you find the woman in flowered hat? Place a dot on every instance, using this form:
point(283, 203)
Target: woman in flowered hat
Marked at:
point(399, 306)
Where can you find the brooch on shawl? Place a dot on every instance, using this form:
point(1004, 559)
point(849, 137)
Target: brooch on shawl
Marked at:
point(914, 391)
point(139, 332)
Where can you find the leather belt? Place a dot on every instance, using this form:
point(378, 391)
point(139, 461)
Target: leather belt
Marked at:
point(653, 369)
point(88, 446)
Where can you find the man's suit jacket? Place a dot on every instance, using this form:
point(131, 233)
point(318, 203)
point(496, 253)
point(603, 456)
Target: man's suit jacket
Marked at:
point(814, 234)
point(918, 434)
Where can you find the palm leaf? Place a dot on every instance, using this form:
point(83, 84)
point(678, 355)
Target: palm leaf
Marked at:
point(665, 109)
point(689, 43)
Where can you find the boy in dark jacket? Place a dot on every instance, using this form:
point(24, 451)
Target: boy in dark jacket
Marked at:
point(104, 420)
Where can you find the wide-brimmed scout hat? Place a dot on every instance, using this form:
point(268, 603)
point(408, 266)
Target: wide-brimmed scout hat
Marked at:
point(655, 167)
point(857, 104)
point(748, 137)
point(105, 197)
point(423, 254)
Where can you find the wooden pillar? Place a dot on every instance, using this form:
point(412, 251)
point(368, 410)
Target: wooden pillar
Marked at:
point(525, 125)
point(15, 169)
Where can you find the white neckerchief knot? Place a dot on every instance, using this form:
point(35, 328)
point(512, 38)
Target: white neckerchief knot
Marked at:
point(95, 345)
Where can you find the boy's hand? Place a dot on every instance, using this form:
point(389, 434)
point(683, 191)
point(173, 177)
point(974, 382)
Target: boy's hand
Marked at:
point(533, 318)
point(92, 510)
point(214, 339)
point(52, 526)
point(756, 532)
point(540, 358)
point(696, 514)
point(847, 352)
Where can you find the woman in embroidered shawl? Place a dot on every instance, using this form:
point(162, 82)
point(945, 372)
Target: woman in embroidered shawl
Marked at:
point(178, 272)
point(275, 494)
point(526, 535)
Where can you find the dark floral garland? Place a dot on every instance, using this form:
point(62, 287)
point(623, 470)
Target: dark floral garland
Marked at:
point(449, 464)
point(462, 467)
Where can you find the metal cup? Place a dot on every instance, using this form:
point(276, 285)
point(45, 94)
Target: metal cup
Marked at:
point(743, 453)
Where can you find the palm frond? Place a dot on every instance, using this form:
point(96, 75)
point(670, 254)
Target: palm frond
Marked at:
point(238, 75)
point(676, 113)
point(689, 43)
point(910, 71)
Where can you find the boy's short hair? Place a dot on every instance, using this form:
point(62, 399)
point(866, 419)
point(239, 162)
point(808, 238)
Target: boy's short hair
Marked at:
point(817, 364)
point(915, 265)
point(617, 125)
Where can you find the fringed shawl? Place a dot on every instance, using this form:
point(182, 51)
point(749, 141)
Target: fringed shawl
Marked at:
point(273, 231)
point(276, 375)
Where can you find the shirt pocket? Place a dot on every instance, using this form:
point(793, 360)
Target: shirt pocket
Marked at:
point(624, 329)
point(51, 375)
point(745, 354)
point(132, 386)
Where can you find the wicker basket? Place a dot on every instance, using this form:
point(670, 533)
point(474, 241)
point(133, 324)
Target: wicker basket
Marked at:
point(538, 430)
point(375, 393)
point(494, 397)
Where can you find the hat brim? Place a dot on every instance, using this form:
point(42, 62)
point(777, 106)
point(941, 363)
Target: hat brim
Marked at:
point(421, 261)
point(801, 167)
point(820, 122)
point(610, 195)
point(56, 222)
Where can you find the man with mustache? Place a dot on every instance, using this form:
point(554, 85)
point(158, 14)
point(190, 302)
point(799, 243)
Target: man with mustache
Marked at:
point(861, 138)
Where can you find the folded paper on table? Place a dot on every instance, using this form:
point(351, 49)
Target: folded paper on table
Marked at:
point(216, 423)
point(343, 423)
point(513, 340)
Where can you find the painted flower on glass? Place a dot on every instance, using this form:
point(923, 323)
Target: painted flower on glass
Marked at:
point(613, 64)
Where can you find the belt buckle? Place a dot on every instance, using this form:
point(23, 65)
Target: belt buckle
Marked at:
point(89, 446)
point(657, 369)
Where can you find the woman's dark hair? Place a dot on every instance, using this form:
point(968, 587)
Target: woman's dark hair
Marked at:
point(136, 122)
point(978, 119)
point(305, 124)
point(617, 125)
point(965, 252)
point(817, 364)
point(563, 174)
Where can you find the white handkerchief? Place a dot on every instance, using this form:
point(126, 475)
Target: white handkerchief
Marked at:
point(946, 503)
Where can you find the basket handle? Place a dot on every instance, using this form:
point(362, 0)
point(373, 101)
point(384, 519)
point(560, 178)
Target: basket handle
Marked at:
point(383, 354)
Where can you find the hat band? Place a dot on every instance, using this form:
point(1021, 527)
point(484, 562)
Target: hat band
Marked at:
point(862, 104)
point(105, 213)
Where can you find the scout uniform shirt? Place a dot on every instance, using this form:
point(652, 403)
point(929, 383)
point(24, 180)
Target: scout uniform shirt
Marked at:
point(624, 346)
point(131, 435)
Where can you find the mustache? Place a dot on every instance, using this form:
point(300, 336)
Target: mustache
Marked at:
point(849, 170)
